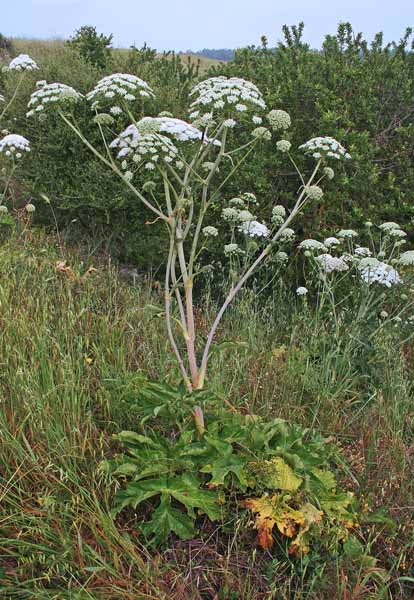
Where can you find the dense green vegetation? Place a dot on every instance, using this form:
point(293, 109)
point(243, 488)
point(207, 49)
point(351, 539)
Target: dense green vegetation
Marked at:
point(284, 470)
point(361, 93)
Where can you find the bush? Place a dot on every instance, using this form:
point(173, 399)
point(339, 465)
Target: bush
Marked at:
point(94, 48)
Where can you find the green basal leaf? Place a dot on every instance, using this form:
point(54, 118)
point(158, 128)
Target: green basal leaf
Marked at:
point(185, 489)
point(225, 466)
point(166, 520)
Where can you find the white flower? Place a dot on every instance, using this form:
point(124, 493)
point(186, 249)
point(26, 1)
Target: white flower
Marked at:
point(329, 173)
point(279, 210)
point(283, 146)
point(331, 242)
point(58, 93)
point(314, 192)
point(254, 229)
point(279, 119)
point(210, 231)
point(262, 132)
point(330, 263)
point(237, 202)
point(287, 235)
point(230, 214)
point(141, 148)
point(324, 147)
point(249, 197)
point(396, 233)
point(362, 251)
point(381, 273)
point(389, 226)
point(176, 128)
point(229, 123)
point(245, 215)
point(383, 314)
point(23, 62)
point(30, 208)
point(12, 144)
point(116, 110)
point(407, 258)
point(312, 245)
point(257, 120)
point(301, 291)
point(281, 257)
point(231, 249)
point(225, 94)
point(347, 233)
point(103, 119)
point(119, 86)
point(3, 209)
point(278, 214)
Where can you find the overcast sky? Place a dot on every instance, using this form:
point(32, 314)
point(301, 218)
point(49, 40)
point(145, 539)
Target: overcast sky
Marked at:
point(195, 24)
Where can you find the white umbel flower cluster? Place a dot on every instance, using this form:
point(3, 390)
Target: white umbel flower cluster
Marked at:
point(51, 95)
point(362, 251)
point(373, 270)
point(331, 242)
point(287, 235)
point(262, 132)
point(324, 147)
point(347, 234)
point(23, 62)
point(14, 146)
point(396, 233)
point(176, 128)
point(329, 263)
point(232, 250)
point(254, 229)
point(116, 88)
point(388, 226)
point(144, 149)
point(279, 119)
point(278, 214)
point(314, 192)
point(225, 94)
point(301, 291)
point(407, 258)
point(283, 146)
point(210, 231)
point(312, 245)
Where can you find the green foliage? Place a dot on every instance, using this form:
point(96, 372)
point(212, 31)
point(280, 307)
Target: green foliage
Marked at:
point(228, 461)
point(94, 48)
point(360, 94)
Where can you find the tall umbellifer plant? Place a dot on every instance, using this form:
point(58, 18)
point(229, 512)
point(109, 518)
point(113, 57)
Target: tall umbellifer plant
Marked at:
point(177, 169)
point(13, 147)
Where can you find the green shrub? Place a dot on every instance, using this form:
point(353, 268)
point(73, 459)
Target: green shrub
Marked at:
point(94, 48)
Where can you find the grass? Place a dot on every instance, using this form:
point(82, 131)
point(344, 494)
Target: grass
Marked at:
point(75, 348)
point(42, 50)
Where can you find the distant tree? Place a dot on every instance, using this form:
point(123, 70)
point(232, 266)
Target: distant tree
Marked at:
point(223, 54)
point(94, 48)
